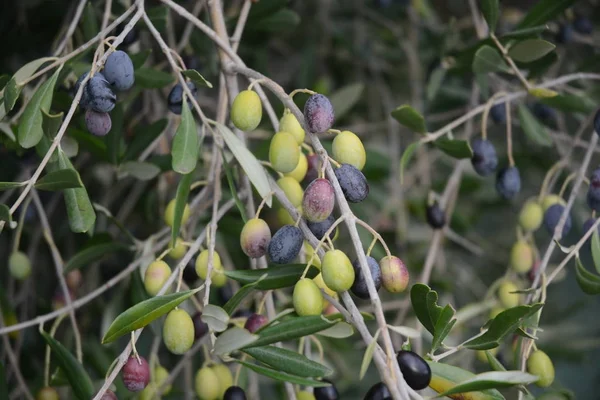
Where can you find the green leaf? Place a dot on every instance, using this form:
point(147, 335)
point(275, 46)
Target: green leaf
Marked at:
point(5, 214)
point(285, 20)
point(114, 138)
point(288, 361)
point(533, 129)
point(27, 70)
point(79, 207)
point(406, 331)
point(490, 10)
point(493, 361)
point(11, 94)
point(181, 198)
point(233, 339)
point(143, 171)
point(6, 128)
point(11, 185)
point(454, 148)
point(59, 180)
point(435, 82)
point(158, 17)
point(197, 78)
point(184, 150)
point(4, 80)
point(13, 87)
point(3, 384)
point(587, 281)
point(232, 188)
point(366, 361)
point(91, 254)
point(530, 50)
point(282, 376)
point(143, 136)
point(492, 380)
point(525, 32)
point(340, 330)
point(424, 303)
point(89, 22)
point(251, 166)
point(543, 11)
point(445, 376)
point(596, 250)
point(276, 276)
point(50, 126)
point(80, 381)
point(406, 157)
point(488, 59)
point(443, 326)
point(345, 98)
point(293, 328)
point(143, 313)
point(138, 59)
point(215, 317)
point(504, 324)
point(150, 78)
point(238, 297)
point(571, 103)
point(30, 126)
point(410, 118)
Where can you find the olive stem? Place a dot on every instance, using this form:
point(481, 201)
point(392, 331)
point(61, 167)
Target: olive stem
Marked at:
point(486, 112)
point(255, 82)
point(198, 184)
point(375, 234)
point(331, 160)
point(296, 91)
point(52, 332)
point(543, 190)
point(371, 246)
point(307, 147)
point(317, 343)
point(20, 225)
point(262, 204)
point(570, 178)
point(509, 146)
point(321, 242)
point(510, 61)
point(268, 164)
point(165, 252)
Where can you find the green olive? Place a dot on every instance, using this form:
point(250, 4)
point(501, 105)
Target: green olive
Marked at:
point(508, 299)
point(540, 364)
point(550, 200)
point(170, 213)
point(207, 384)
point(224, 377)
point(305, 396)
point(150, 392)
point(307, 298)
point(160, 376)
point(531, 216)
point(292, 189)
point(19, 265)
point(47, 393)
point(321, 285)
point(521, 257)
point(348, 149)
point(284, 217)
point(246, 110)
point(284, 152)
point(495, 311)
point(178, 250)
point(300, 171)
point(337, 270)
point(178, 331)
point(155, 277)
point(289, 123)
point(202, 264)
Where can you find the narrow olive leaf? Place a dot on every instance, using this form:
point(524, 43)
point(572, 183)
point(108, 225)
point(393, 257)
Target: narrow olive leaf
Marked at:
point(59, 180)
point(5, 214)
point(149, 78)
point(410, 118)
point(276, 276)
point(596, 250)
point(543, 11)
point(143, 171)
point(87, 256)
point(443, 326)
point(488, 59)
point(491, 380)
point(366, 361)
point(79, 207)
point(4, 80)
point(215, 317)
point(587, 281)
point(30, 127)
point(525, 32)
point(445, 376)
point(454, 148)
point(50, 125)
point(490, 10)
point(345, 98)
point(529, 50)
point(11, 185)
point(233, 339)
point(534, 130)
point(523, 333)
point(406, 157)
point(143, 313)
point(571, 103)
point(232, 188)
point(13, 87)
point(502, 325)
point(143, 136)
point(293, 328)
point(11, 94)
point(89, 22)
point(493, 361)
point(282, 376)
point(6, 128)
point(340, 330)
point(435, 82)
point(184, 151)
point(197, 78)
point(114, 139)
point(288, 361)
point(251, 166)
point(231, 306)
point(79, 379)
point(181, 198)
point(405, 331)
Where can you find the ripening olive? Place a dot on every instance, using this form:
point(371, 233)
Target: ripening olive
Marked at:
point(305, 396)
point(200, 327)
point(289, 123)
point(224, 377)
point(299, 172)
point(155, 277)
point(160, 376)
point(178, 250)
point(255, 238)
point(178, 331)
point(108, 395)
point(217, 276)
point(246, 110)
point(313, 166)
point(415, 370)
point(292, 189)
point(136, 374)
point(506, 294)
point(207, 384)
point(540, 364)
point(318, 200)
point(19, 265)
point(337, 270)
point(394, 274)
point(255, 322)
point(318, 113)
point(170, 213)
point(74, 279)
point(307, 298)
point(348, 149)
point(531, 216)
point(284, 152)
point(521, 257)
point(47, 393)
